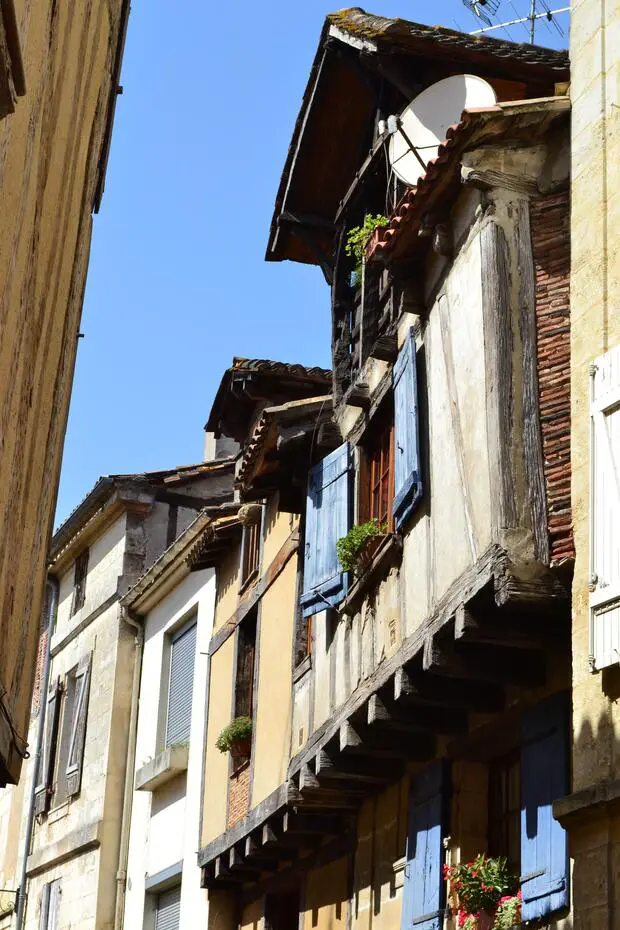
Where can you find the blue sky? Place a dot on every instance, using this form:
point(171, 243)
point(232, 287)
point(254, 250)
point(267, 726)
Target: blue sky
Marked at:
point(177, 283)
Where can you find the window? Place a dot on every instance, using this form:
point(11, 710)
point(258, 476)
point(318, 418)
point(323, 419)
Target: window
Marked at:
point(49, 914)
point(328, 517)
point(168, 909)
point(505, 809)
point(250, 552)
point(181, 683)
point(407, 476)
point(79, 581)
point(64, 738)
point(379, 481)
point(246, 655)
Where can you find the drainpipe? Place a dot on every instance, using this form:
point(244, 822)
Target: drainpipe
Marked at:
point(121, 875)
point(53, 585)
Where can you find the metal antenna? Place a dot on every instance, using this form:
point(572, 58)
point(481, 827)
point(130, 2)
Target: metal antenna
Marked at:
point(487, 10)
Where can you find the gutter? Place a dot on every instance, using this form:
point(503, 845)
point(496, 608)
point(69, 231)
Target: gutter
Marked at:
point(22, 895)
point(135, 621)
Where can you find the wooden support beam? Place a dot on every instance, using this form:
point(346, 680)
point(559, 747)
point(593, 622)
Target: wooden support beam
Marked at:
point(423, 691)
point(346, 772)
point(409, 720)
point(358, 395)
point(221, 872)
point(313, 824)
point(262, 859)
point(385, 348)
point(386, 745)
point(483, 663)
point(500, 628)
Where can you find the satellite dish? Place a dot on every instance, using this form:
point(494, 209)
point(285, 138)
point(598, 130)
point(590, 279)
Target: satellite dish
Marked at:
point(423, 125)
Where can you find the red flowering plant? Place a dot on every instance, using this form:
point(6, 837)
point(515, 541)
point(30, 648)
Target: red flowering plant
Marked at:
point(480, 887)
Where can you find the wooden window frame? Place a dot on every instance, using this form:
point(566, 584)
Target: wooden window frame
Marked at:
point(250, 553)
point(376, 491)
point(504, 814)
point(80, 575)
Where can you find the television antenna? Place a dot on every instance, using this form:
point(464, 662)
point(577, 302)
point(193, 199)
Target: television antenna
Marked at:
point(488, 10)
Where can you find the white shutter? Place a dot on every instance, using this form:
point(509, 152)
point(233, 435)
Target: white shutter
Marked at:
point(168, 913)
point(182, 660)
point(605, 511)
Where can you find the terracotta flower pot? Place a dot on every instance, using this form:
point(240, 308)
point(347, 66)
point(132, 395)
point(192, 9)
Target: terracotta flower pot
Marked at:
point(486, 920)
point(368, 552)
point(241, 749)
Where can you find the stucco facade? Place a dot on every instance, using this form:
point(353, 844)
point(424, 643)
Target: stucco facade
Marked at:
point(60, 68)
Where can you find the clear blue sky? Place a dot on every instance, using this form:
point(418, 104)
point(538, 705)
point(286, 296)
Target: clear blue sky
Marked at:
point(177, 283)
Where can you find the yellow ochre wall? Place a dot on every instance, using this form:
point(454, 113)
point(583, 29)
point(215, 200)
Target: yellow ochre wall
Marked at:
point(273, 708)
point(216, 762)
point(325, 902)
point(50, 153)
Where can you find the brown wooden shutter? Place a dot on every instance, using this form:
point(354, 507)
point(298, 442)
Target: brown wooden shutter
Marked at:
point(48, 756)
point(77, 736)
point(245, 667)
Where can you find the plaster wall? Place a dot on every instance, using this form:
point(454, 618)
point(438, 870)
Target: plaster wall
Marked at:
point(217, 763)
point(51, 151)
point(273, 705)
point(164, 824)
point(325, 902)
point(277, 528)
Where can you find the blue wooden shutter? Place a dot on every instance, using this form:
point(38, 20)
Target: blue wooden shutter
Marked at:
point(328, 510)
point(407, 480)
point(424, 889)
point(181, 688)
point(544, 779)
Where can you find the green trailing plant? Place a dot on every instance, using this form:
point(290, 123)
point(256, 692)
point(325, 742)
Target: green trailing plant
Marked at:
point(358, 238)
point(349, 547)
point(508, 912)
point(238, 731)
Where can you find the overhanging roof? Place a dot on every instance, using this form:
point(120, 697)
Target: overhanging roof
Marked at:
point(330, 137)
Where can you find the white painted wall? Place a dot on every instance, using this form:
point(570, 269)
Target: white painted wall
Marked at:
point(165, 824)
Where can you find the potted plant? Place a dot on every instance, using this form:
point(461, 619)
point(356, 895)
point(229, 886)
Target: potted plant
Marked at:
point(236, 737)
point(484, 893)
point(356, 550)
point(358, 238)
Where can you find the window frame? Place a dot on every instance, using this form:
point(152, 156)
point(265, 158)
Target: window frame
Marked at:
point(251, 546)
point(80, 575)
point(376, 473)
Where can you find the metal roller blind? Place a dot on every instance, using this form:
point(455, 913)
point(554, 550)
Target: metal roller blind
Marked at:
point(168, 914)
point(182, 659)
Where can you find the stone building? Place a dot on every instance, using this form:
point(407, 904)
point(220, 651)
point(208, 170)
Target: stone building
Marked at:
point(60, 838)
point(414, 709)
point(59, 75)
point(591, 813)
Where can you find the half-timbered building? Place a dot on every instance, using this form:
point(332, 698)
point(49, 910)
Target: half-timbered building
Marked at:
point(413, 710)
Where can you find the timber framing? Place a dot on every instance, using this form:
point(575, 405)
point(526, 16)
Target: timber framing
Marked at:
point(491, 634)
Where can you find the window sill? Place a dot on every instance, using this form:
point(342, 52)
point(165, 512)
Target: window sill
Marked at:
point(387, 556)
point(300, 670)
point(163, 768)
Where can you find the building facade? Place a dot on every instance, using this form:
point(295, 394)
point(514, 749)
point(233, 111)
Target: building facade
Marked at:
point(59, 76)
point(413, 710)
point(590, 813)
point(62, 828)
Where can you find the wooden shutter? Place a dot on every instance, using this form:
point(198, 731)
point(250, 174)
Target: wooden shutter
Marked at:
point(45, 779)
point(407, 478)
point(424, 888)
point(182, 661)
point(75, 754)
point(246, 657)
point(328, 512)
point(605, 504)
point(53, 919)
point(544, 779)
point(168, 911)
point(45, 906)
point(79, 581)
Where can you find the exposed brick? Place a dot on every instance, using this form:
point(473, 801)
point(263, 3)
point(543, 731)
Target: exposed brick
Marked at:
point(550, 225)
point(239, 793)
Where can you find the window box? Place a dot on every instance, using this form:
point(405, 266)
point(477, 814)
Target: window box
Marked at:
point(163, 768)
point(387, 555)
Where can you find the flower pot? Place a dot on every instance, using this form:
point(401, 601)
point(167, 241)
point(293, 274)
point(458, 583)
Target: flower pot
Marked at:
point(241, 749)
point(486, 920)
point(368, 552)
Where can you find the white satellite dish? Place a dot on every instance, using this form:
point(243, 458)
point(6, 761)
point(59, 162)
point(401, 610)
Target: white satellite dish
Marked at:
point(422, 126)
